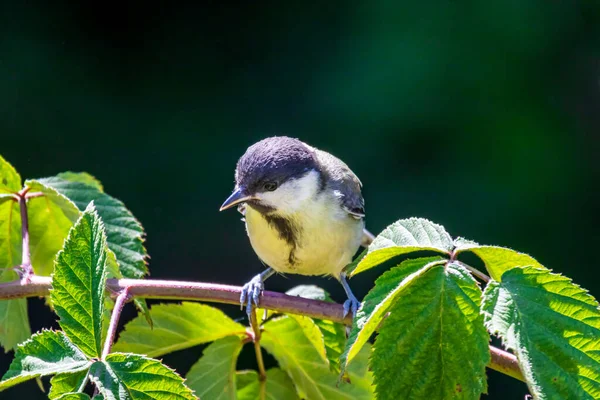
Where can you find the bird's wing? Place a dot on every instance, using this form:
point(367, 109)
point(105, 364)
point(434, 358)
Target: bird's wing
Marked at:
point(344, 183)
point(367, 238)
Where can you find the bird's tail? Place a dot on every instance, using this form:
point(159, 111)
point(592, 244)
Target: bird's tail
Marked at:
point(367, 238)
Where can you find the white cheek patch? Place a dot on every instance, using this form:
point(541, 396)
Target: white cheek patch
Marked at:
point(293, 194)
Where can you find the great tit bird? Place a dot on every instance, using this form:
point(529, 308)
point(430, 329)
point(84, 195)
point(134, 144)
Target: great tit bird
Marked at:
point(304, 212)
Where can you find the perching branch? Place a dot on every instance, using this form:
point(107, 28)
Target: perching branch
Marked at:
point(38, 286)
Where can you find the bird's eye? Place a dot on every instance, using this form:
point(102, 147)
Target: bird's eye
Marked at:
point(270, 186)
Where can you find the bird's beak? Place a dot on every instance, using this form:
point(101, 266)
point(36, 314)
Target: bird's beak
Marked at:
point(237, 197)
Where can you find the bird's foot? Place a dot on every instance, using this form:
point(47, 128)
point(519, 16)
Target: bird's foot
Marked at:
point(251, 293)
point(351, 305)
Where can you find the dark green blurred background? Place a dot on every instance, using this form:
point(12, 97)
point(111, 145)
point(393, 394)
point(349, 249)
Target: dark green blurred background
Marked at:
point(481, 116)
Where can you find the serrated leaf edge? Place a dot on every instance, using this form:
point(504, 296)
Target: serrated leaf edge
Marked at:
point(350, 351)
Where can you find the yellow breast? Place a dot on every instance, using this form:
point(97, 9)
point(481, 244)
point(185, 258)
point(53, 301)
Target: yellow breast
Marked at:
point(326, 239)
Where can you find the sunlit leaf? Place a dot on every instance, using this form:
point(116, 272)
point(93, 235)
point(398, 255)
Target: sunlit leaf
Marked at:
point(376, 304)
point(284, 338)
point(78, 283)
point(14, 322)
point(176, 327)
point(332, 334)
point(124, 233)
point(45, 353)
point(278, 386)
point(433, 345)
point(66, 382)
point(403, 237)
point(131, 377)
point(82, 177)
point(553, 326)
point(497, 260)
point(10, 180)
point(50, 218)
point(312, 333)
point(358, 371)
point(334, 338)
point(213, 375)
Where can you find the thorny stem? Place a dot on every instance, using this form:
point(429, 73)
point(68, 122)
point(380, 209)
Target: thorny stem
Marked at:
point(114, 321)
point(38, 286)
point(26, 254)
point(262, 373)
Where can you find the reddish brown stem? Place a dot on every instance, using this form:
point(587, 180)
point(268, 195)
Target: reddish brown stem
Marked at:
point(262, 373)
point(38, 286)
point(25, 251)
point(114, 321)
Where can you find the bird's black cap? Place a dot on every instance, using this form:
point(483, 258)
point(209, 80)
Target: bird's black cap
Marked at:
point(275, 159)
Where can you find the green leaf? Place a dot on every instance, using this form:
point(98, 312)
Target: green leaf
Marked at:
point(78, 283)
point(213, 375)
point(10, 180)
point(143, 309)
point(131, 377)
point(306, 291)
point(286, 341)
point(312, 333)
point(358, 371)
point(553, 326)
point(50, 218)
point(278, 386)
point(332, 337)
point(433, 345)
point(460, 243)
point(176, 327)
point(352, 266)
point(244, 379)
point(309, 292)
point(497, 260)
point(376, 304)
point(403, 237)
point(66, 382)
point(82, 177)
point(45, 353)
point(6, 197)
point(14, 321)
point(124, 233)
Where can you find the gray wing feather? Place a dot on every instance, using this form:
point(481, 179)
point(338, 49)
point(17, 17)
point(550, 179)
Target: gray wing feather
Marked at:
point(344, 183)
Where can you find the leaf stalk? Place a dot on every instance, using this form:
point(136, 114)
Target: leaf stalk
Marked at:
point(262, 373)
point(122, 298)
point(26, 269)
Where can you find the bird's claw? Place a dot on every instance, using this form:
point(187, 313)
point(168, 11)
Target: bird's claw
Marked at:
point(251, 293)
point(351, 305)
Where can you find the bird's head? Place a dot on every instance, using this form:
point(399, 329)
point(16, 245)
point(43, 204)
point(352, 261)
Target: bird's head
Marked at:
point(276, 174)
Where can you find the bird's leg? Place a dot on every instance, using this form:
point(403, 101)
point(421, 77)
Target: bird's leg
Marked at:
point(352, 304)
point(252, 290)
